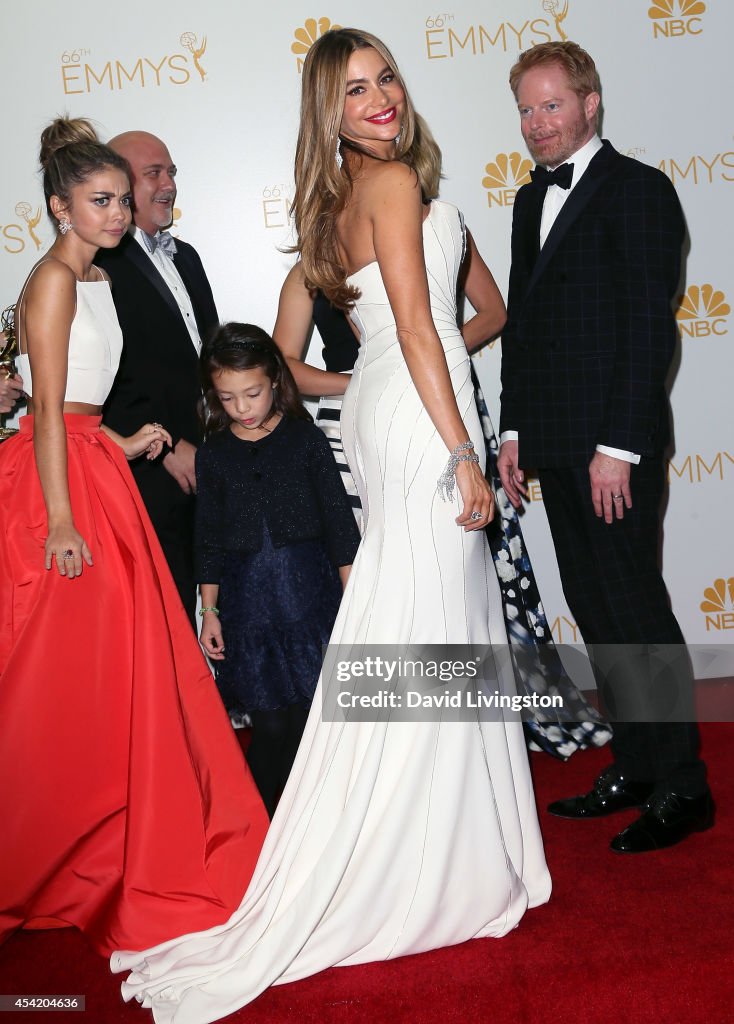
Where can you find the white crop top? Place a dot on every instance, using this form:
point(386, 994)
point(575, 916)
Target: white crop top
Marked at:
point(95, 345)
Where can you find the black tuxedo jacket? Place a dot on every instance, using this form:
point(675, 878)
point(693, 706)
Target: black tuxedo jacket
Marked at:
point(590, 332)
point(158, 379)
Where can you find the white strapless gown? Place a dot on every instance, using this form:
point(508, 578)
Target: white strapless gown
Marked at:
point(391, 837)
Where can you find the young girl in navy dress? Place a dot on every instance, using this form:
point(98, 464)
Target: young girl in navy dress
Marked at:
point(275, 537)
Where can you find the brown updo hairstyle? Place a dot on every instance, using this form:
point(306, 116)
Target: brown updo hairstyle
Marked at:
point(236, 346)
point(70, 154)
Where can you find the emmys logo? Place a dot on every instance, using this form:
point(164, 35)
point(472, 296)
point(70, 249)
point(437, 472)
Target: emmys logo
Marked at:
point(276, 204)
point(444, 39)
point(307, 35)
point(25, 212)
point(565, 631)
point(718, 604)
point(79, 75)
point(188, 39)
point(676, 18)
point(534, 492)
point(558, 11)
point(695, 469)
point(486, 349)
point(702, 312)
point(504, 176)
point(13, 235)
point(699, 170)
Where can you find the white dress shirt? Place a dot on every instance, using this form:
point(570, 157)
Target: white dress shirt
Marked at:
point(555, 197)
point(167, 269)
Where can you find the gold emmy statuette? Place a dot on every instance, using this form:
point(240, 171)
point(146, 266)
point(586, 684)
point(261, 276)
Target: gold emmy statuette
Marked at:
point(8, 351)
point(559, 15)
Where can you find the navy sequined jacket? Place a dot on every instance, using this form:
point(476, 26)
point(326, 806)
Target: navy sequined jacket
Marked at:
point(288, 479)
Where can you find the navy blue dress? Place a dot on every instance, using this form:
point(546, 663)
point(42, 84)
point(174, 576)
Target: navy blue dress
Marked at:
point(277, 607)
point(273, 526)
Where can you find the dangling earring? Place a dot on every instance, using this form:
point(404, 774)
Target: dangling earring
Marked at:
point(339, 157)
point(397, 138)
point(65, 226)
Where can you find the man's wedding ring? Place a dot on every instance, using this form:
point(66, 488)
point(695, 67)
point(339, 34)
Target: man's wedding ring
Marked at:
point(616, 497)
point(66, 555)
point(476, 516)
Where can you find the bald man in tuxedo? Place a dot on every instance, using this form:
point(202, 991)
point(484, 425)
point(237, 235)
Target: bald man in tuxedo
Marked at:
point(166, 309)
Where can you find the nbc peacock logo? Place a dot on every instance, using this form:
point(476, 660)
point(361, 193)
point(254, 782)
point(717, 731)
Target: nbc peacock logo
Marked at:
point(675, 18)
point(702, 311)
point(718, 604)
point(503, 177)
point(306, 35)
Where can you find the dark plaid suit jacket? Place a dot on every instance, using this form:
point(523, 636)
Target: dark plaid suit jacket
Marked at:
point(591, 332)
point(158, 379)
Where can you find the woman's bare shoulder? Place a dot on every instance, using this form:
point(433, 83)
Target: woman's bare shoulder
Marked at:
point(49, 273)
point(393, 173)
point(49, 293)
point(295, 278)
point(389, 183)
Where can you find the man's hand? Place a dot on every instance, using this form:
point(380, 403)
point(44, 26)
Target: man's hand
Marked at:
point(11, 388)
point(180, 464)
point(512, 477)
point(610, 486)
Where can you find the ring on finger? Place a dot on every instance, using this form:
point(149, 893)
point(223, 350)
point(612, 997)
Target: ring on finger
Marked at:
point(476, 516)
point(616, 497)
point(67, 554)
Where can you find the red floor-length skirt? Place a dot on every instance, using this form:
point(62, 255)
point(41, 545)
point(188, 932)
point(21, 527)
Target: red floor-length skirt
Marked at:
point(126, 807)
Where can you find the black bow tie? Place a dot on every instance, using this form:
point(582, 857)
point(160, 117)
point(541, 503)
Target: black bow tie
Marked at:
point(562, 176)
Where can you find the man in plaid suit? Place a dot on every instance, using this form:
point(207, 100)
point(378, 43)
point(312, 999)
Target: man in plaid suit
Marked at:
point(596, 249)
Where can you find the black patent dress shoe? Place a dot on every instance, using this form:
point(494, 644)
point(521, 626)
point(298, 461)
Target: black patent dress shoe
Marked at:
point(612, 792)
point(666, 819)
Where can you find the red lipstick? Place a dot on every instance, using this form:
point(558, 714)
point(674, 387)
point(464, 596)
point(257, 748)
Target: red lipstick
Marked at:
point(385, 117)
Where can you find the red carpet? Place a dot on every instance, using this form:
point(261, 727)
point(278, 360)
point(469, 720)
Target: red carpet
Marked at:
point(624, 940)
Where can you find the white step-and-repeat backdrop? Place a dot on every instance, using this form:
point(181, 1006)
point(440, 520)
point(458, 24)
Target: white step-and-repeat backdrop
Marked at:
point(219, 82)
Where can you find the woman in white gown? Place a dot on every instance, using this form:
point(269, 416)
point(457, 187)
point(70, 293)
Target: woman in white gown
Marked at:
point(391, 837)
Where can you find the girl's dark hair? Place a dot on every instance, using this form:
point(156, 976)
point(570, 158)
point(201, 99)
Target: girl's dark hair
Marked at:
point(70, 154)
point(236, 346)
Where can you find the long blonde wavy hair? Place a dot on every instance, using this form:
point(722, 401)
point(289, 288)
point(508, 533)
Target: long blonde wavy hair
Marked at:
point(323, 189)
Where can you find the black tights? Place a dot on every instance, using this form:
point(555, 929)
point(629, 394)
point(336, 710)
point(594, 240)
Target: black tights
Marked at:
point(275, 738)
